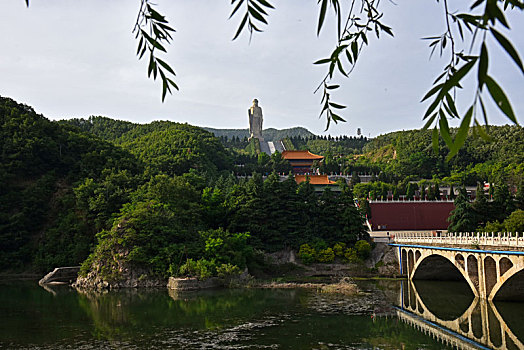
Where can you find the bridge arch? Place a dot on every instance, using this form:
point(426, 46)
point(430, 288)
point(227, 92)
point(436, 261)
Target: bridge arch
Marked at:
point(445, 267)
point(490, 273)
point(511, 287)
point(436, 267)
point(404, 262)
point(459, 260)
point(411, 261)
point(473, 269)
point(504, 265)
point(485, 270)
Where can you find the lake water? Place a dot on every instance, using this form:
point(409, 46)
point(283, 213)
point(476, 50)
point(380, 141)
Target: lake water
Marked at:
point(389, 316)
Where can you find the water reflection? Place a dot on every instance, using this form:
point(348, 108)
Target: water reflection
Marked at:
point(64, 318)
point(253, 319)
point(450, 312)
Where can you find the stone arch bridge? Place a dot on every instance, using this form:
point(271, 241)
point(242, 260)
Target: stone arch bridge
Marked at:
point(491, 264)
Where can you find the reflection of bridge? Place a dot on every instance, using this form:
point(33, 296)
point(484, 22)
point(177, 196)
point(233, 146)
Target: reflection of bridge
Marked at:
point(492, 265)
point(480, 324)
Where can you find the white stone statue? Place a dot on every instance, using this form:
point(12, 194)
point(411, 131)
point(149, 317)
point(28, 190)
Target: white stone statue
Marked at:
point(255, 121)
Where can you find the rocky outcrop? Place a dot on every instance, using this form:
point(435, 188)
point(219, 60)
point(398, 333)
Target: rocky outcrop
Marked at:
point(384, 258)
point(61, 275)
point(191, 283)
point(344, 286)
point(127, 278)
point(281, 257)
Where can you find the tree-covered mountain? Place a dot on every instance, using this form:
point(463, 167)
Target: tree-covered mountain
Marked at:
point(162, 198)
point(103, 127)
point(159, 198)
point(40, 164)
point(165, 146)
point(399, 154)
point(411, 153)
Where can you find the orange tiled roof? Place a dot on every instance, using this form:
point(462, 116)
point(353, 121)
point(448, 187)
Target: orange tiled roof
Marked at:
point(300, 155)
point(314, 179)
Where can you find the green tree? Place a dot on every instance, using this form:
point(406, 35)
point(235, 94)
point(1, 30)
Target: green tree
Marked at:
point(515, 222)
point(410, 191)
point(502, 204)
point(481, 206)
point(226, 248)
point(462, 218)
point(519, 197)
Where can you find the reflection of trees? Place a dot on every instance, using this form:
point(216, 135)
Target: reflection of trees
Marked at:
point(32, 315)
point(109, 311)
point(119, 314)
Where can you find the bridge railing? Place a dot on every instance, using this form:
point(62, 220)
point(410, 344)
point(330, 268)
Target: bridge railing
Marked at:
point(502, 239)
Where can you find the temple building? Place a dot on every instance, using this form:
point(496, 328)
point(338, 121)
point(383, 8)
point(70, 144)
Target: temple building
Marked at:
point(301, 161)
point(319, 182)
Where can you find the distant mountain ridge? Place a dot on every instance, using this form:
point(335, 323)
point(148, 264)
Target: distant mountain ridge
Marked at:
point(270, 134)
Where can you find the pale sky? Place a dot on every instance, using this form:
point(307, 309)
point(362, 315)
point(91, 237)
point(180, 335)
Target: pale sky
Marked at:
point(77, 58)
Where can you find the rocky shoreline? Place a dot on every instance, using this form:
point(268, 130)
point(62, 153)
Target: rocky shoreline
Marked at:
point(130, 278)
point(345, 286)
point(326, 278)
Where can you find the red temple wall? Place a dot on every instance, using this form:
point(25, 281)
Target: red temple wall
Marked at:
point(394, 216)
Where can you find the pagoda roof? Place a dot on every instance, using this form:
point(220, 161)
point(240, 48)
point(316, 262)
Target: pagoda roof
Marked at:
point(314, 179)
point(300, 155)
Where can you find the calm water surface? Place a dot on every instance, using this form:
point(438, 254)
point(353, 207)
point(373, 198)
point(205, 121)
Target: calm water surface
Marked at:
point(62, 318)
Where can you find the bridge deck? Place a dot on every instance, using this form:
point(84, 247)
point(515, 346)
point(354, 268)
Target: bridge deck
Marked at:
point(460, 249)
point(498, 240)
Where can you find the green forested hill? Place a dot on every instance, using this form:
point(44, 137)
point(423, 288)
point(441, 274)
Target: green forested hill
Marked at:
point(162, 197)
point(119, 131)
point(174, 148)
point(105, 128)
point(165, 146)
point(159, 198)
point(61, 182)
point(411, 153)
point(40, 163)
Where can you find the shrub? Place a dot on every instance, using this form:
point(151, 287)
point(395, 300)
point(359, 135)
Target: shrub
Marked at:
point(201, 268)
point(515, 222)
point(227, 270)
point(326, 255)
point(226, 247)
point(494, 226)
point(319, 244)
point(206, 268)
point(189, 268)
point(307, 254)
point(351, 256)
point(339, 248)
point(363, 249)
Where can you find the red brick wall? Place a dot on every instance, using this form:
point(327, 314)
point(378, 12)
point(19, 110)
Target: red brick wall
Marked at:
point(410, 215)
